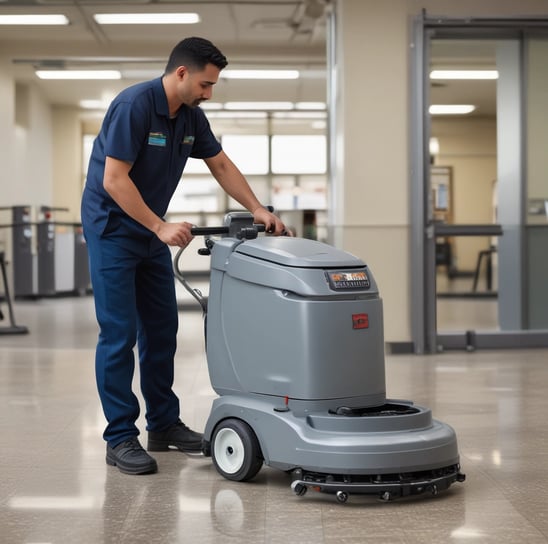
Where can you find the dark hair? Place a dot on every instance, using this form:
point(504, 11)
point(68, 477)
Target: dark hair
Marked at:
point(195, 53)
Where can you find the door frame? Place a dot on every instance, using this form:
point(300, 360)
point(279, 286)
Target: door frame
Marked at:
point(423, 232)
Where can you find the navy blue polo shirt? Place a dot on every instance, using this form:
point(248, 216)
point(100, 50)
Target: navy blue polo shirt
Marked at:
point(137, 129)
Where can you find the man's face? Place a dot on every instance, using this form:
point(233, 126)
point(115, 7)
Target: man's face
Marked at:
point(195, 86)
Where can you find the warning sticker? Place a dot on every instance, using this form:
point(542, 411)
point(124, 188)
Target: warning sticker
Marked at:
point(360, 321)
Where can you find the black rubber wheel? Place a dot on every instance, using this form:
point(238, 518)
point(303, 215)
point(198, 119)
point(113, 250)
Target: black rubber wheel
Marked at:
point(300, 490)
point(342, 496)
point(235, 450)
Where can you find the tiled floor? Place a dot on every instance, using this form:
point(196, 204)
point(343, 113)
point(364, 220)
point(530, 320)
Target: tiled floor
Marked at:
point(56, 488)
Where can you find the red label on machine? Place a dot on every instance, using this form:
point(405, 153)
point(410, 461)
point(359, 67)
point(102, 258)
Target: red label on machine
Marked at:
point(360, 321)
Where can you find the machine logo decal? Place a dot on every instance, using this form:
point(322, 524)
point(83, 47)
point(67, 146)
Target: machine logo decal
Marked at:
point(360, 321)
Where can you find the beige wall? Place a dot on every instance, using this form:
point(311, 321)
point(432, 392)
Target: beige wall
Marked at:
point(537, 120)
point(25, 143)
point(25, 151)
point(372, 172)
point(67, 162)
point(371, 219)
point(7, 120)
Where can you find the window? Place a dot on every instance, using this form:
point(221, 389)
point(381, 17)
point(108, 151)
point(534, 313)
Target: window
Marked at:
point(249, 153)
point(195, 166)
point(299, 154)
point(195, 194)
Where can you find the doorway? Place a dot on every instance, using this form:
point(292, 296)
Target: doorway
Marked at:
point(478, 242)
point(463, 174)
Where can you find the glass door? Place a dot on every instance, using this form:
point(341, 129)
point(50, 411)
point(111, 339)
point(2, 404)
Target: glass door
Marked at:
point(479, 275)
point(462, 77)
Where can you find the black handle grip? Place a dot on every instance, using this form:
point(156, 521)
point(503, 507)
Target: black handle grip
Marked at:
point(210, 231)
point(207, 231)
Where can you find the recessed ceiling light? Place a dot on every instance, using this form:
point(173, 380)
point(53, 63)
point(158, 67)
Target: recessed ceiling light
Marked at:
point(30, 19)
point(464, 74)
point(451, 109)
point(147, 18)
point(78, 74)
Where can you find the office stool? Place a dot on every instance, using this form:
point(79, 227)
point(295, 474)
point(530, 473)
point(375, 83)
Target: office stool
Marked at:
point(486, 254)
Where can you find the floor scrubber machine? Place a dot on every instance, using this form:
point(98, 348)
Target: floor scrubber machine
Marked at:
point(295, 351)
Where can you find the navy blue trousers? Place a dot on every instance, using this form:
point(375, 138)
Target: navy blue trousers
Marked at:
point(135, 304)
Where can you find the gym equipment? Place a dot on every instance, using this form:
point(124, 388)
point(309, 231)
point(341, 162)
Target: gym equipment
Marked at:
point(295, 351)
point(49, 257)
point(21, 256)
point(12, 328)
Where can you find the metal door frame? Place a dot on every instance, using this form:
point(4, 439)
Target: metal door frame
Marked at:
point(423, 236)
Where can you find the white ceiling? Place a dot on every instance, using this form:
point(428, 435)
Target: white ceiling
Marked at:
point(258, 33)
point(251, 33)
point(465, 54)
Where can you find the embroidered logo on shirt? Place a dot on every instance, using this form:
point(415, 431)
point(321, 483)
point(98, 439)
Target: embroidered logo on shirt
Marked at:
point(157, 138)
point(188, 140)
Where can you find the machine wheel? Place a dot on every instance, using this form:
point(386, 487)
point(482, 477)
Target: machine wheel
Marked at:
point(235, 450)
point(299, 489)
point(342, 496)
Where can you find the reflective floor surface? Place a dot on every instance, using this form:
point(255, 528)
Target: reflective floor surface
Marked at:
point(56, 488)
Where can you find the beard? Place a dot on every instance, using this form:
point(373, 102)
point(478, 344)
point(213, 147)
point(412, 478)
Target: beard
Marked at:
point(195, 103)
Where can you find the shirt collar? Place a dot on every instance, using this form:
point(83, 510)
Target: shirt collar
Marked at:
point(160, 98)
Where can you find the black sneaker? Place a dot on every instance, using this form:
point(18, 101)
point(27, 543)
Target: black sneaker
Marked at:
point(177, 436)
point(131, 458)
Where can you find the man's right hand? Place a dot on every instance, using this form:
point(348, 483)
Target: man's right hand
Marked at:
point(175, 234)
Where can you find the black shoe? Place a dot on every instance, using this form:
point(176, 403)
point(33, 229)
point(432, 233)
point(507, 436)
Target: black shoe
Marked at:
point(131, 458)
point(177, 436)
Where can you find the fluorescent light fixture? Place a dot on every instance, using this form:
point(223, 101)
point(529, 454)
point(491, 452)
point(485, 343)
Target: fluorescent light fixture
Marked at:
point(258, 105)
point(30, 19)
point(236, 115)
point(299, 115)
point(260, 74)
point(310, 105)
point(434, 146)
point(451, 109)
point(78, 74)
point(147, 18)
point(464, 74)
point(211, 106)
point(90, 104)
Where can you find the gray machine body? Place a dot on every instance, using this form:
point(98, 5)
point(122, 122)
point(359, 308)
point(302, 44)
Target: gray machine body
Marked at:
point(294, 333)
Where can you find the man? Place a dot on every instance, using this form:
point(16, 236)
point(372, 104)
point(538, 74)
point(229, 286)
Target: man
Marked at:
point(148, 133)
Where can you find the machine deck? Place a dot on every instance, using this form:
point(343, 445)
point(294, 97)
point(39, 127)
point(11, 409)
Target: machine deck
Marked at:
point(386, 486)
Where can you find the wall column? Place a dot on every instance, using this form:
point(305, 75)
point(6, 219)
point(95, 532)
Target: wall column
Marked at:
point(369, 208)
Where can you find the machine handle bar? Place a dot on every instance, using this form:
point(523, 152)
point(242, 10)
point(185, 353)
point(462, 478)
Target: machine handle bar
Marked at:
point(210, 231)
point(249, 232)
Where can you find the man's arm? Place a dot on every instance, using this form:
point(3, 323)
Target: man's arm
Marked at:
point(123, 191)
point(234, 183)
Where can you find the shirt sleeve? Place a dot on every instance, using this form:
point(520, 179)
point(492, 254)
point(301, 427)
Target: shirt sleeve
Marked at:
point(126, 131)
point(205, 143)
